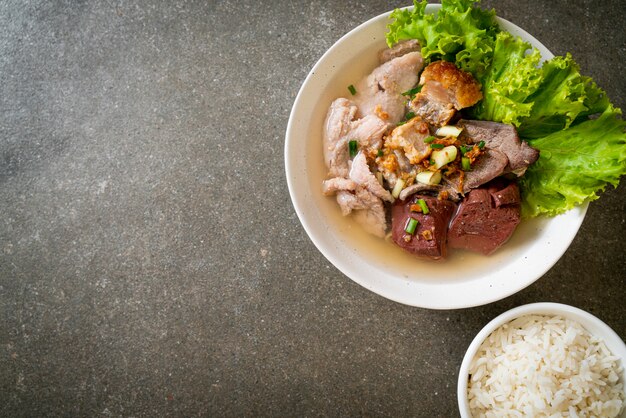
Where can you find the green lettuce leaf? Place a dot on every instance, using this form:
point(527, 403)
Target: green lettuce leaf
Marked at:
point(551, 104)
point(459, 32)
point(538, 99)
point(563, 96)
point(574, 164)
point(512, 77)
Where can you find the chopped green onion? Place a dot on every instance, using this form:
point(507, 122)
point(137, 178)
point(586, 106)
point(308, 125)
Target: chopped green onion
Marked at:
point(411, 226)
point(449, 130)
point(353, 147)
point(423, 205)
point(463, 149)
point(444, 155)
point(465, 164)
point(428, 177)
point(437, 146)
point(412, 92)
point(429, 139)
point(401, 123)
point(352, 89)
point(380, 153)
point(397, 188)
point(409, 116)
point(481, 144)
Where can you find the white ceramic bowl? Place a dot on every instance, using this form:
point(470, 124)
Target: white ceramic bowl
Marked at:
point(465, 279)
point(591, 323)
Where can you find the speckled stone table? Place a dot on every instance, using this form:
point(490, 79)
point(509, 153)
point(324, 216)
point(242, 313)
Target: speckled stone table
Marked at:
point(151, 263)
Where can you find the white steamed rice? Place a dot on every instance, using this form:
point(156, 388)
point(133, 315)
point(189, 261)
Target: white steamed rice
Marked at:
point(544, 366)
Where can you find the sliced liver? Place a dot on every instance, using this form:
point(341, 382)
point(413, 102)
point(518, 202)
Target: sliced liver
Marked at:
point(436, 222)
point(486, 218)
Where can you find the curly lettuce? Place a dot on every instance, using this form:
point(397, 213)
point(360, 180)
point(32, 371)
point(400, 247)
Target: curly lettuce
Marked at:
point(551, 104)
point(574, 164)
point(563, 97)
point(458, 32)
point(512, 77)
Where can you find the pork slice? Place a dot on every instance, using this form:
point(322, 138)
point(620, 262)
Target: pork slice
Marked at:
point(366, 208)
point(410, 137)
point(361, 174)
point(399, 49)
point(445, 89)
point(356, 199)
point(372, 216)
point(360, 195)
point(461, 87)
point(380, 93)
point(488, 166)
point(480, 225)
point(336, 184)
point(368, 131)
point(416, 188)
point(404, 165)
point(348, 202)
point(338, 121)
point(341, 127)
point(399, 74)
point(430, 238)
point(429, 106)
point(504, 138)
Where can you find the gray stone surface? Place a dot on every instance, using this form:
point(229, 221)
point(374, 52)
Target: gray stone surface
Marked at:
point(151, 263)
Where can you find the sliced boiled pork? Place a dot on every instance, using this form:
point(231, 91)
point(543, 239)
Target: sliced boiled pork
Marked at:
point(490, 165)
point(502, 138)
point(399, 49)
point(380, 93)
point(504, 153)
point(361, 194)
point(340, 127)
point(377, 106)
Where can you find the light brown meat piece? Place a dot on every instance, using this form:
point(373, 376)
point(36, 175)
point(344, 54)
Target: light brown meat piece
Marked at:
point(361, 174)
point(341, 127)
point(462, 88)
point(367, 209)
point(373, 218)
point(410, 138)
point(380, 93)
point(337, 184)
point(399, 49)
point(489, 165)
point(404, 149)
point(445, 89)
point(504, 138)
point(361, 195)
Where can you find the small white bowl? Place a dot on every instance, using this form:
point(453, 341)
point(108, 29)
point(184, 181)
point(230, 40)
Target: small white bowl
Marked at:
point(465, 279)
point(591, 323)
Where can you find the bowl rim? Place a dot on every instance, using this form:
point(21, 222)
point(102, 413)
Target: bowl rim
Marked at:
point(413, 294)
point(594, 325)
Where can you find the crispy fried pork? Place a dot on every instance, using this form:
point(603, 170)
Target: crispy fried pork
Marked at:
point(445, 89)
